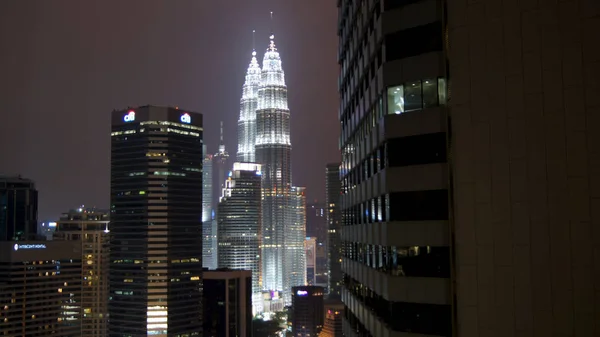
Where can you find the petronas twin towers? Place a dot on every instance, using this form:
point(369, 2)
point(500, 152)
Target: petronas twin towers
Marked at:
point(264, 138)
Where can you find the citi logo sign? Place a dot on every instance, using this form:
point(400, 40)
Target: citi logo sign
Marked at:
point(130, 117)
point(185, 118)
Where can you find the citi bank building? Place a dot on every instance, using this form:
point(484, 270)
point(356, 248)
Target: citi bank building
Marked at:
point(156, 229)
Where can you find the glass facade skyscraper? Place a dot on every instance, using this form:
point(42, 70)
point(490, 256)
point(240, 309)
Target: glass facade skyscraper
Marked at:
point(156, 222)
point(239, 222)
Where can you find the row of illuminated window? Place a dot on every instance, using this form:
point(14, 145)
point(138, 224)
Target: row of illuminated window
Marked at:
point(415, 261)
point(416, 95)
point(415, 318)
point(179, 125)
point(396, 152)
point(399, 206)
point(170, 130)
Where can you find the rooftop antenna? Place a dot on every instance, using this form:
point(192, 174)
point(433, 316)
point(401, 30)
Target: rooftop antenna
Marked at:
point(221, 132)
point(253, 43)
point(272, 37)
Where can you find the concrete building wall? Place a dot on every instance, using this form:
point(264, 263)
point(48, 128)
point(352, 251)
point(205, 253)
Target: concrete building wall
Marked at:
point(525, 116)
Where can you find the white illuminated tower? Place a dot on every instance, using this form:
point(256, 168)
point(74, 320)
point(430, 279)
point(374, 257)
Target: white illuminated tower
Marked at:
point(248, 105)
point(273, 149)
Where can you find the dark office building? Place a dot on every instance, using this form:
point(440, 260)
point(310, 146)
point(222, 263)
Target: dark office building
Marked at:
point(307, 311)
point(18, 208)
point(156, 230)
point(316, 225)
point(470, 167)
point(227, 303)
point(333, 190)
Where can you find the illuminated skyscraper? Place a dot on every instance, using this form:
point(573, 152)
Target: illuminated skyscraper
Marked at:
point(239, 221)
point(155, 280)
point(247, 119)
point(208, 237)
point(273, 149)
point(294, 258)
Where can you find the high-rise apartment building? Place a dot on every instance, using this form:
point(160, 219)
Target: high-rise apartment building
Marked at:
point(307, 311)
point(273, 151)
point(40, 288)
point(247, 118)
point(239, 222)
point(333, 189)
point(88, 227)
point(18, 208)
point(209, 258)
point(227, 303)
point(156, 230)
point(470, 167)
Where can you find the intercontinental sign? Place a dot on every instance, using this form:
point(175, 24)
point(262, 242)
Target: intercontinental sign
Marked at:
point(26, 246)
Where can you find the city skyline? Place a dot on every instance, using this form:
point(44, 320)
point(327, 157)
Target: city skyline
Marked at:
point(71, 113)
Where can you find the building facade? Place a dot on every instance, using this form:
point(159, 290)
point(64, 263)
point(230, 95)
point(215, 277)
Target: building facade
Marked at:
point(156, 229)
point(209, 258)
point(333, 189)
point(294, 264)
point(310, 248)
point(89, 228)
point(40, 288)
point(316, 226)
point(334, 313)
point(239, 222)
point(307, 311)
point(474, 179)
point(316, 223)
point(227, 303)
point(18, 208)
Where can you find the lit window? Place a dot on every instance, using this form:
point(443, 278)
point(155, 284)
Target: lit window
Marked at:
point(395, 100)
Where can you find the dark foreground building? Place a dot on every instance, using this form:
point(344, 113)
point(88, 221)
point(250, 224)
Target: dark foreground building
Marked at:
point(470, 167)
point(40, 288)
point(227, 303)
point(307, 311)
point(18, 209)
point(156, 230)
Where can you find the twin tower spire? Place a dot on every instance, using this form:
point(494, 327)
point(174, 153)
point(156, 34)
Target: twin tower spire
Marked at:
point(258, 94)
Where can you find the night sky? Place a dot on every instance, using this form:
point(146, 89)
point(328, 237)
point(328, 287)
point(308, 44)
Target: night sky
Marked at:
point(66, 64)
